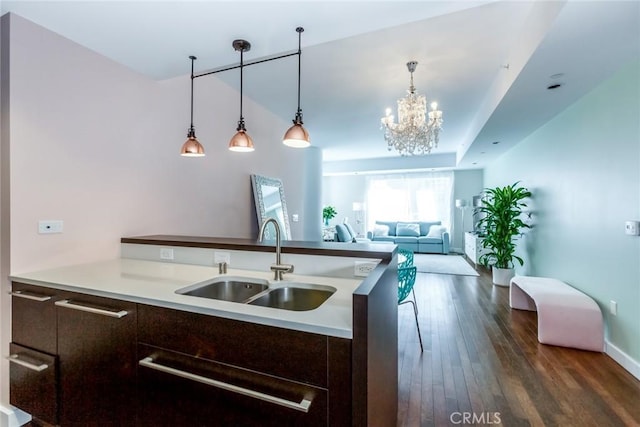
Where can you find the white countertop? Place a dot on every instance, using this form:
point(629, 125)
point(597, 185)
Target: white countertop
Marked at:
point(155, 283)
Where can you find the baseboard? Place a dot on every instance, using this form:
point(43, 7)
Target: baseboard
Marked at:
point(13, 417)
point(623, 359)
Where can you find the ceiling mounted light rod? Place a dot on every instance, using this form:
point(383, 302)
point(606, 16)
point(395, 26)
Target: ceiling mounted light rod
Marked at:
point(413, 134)
point(241, 141)
point(192, 147)
point(233, 67)
point(297, 136)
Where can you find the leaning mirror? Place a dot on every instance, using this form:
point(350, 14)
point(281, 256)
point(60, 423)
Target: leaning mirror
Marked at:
point(268, 194)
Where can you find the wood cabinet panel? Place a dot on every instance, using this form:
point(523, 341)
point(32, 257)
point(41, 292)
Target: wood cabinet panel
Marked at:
point(339, 377)
point(33, 317)
point(185, 396)
point(33, 383)
point(295, 355)
point(97, 357)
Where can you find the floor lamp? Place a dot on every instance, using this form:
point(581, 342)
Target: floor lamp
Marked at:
point(462, 205)
point(358, 208)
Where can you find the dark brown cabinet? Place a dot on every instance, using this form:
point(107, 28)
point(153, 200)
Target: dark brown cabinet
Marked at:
point(198, 370)
point(73, 357)
point(115, 363)
point(33, 368)
point(97, 357)
point(33, 385)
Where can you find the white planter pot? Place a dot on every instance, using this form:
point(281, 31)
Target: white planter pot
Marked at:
point(502, 276)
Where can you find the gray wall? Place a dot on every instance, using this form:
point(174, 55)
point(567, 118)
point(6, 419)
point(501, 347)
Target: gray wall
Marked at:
point(583, 168)
point(466, 184)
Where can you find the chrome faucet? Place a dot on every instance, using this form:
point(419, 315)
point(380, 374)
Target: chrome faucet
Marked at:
point(278, 268)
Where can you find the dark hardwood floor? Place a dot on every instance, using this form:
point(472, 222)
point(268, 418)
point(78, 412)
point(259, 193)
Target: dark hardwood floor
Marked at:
point(482, 365)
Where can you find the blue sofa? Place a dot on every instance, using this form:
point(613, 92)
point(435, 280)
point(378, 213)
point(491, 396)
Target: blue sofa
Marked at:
point(419, 236)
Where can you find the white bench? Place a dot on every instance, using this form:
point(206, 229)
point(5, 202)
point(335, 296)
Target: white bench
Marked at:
point(566, 316)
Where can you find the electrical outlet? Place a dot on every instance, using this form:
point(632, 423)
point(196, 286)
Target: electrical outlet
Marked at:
point(166, 253)
point(48, 227)
point(613, 307)
point(632, 228)
point(219, 257)
point(363, 268)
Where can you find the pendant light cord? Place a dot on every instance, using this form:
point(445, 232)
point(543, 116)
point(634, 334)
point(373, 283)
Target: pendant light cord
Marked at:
point(299, 30)
point(241, 122)
point(192, 58)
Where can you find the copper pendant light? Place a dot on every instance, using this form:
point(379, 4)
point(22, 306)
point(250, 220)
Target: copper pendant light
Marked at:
point(297, 136)
point(192, 147)
point(241, 141)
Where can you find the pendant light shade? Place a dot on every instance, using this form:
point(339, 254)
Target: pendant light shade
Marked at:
point(241, 141)
point(192, 147)
point(297, 136)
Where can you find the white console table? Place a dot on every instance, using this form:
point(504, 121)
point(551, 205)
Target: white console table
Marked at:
point(473, 246)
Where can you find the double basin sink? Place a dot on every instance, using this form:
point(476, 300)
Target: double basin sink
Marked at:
point(293, 296)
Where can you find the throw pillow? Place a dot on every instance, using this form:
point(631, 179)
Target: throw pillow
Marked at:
point(342, 233)
point(412, 230)
point(351, 230)
point(435, 231)
point(380, 230)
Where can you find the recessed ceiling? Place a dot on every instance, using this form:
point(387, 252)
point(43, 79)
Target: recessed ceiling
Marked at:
point(487, 63)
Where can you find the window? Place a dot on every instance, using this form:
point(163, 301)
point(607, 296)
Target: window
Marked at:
point(410, 197)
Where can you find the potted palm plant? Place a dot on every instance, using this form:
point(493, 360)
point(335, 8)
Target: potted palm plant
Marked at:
point(501, 224)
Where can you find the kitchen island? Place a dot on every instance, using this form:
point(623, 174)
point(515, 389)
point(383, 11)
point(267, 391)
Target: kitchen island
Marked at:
point(334, 356)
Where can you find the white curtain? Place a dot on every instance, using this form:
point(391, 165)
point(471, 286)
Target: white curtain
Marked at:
point(410, 197)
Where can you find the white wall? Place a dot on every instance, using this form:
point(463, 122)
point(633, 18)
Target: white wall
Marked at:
point(96, 145)
point(341, 192)
point(583, 168)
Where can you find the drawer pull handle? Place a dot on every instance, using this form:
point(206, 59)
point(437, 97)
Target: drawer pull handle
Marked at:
point(33, 297)
point(302, 406)
point(66, 303)
point(15, 358)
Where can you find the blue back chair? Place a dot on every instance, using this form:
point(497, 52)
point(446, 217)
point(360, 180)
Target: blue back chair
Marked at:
point(405, 258)
point(406, 281)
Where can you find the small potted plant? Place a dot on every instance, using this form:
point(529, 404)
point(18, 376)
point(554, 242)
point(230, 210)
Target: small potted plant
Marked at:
point(501, 224)
point(328, 213)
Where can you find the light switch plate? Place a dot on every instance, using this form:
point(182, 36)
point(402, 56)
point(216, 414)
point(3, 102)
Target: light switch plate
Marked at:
point(632, 228)
point(50, 226)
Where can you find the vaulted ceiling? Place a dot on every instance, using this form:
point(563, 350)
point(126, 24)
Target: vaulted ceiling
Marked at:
point(487, 63)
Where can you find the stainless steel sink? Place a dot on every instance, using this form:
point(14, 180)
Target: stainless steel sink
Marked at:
point(295, 297)
point(229, 288)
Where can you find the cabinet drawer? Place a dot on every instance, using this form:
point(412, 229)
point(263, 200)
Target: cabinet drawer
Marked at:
point(33, 382)
point(179, 390)
point(33, 317)
point(298, 356)
point(97, 354)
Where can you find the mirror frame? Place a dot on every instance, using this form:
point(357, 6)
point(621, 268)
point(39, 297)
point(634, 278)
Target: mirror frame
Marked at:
point(257, 181)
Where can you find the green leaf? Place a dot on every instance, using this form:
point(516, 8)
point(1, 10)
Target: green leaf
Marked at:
point(501, 224)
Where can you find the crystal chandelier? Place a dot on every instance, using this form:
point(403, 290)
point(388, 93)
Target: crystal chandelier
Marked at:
point(412, 135)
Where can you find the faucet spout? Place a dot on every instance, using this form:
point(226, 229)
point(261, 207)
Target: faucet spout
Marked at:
point(278, 268)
